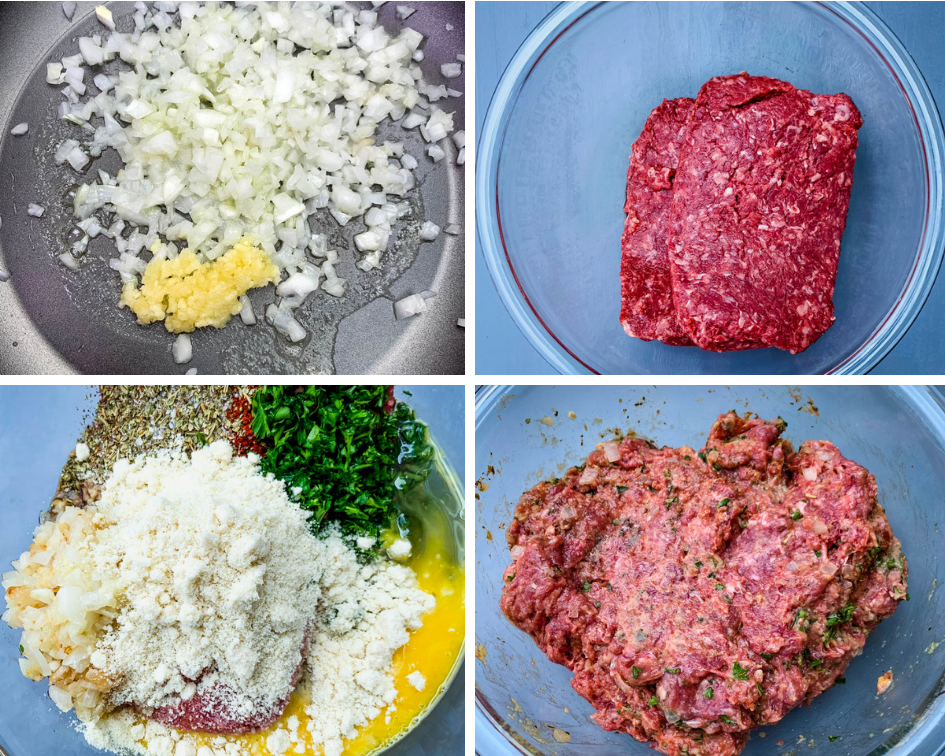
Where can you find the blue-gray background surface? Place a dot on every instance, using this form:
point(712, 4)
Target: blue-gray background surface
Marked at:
point(502, 26)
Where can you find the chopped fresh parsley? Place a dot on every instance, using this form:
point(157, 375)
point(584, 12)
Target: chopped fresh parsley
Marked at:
point(844, 615)
point(653, 701)
point(708, 693)
point(719, 587)
point(800, 614)
point(511, 577)
point(818, 553)
point(726, 719)
point(724, 503)
point(635, 671)
point(672, 670)
point(796, 515)
point(767, 657)
point(586, 587)
point(702, 456)
point(832, 738)
point(814, 663)
point(698, 563)
point(739, 672)
point(621, 489)
point(345, 448)
point(761, 691)
point(22, 650)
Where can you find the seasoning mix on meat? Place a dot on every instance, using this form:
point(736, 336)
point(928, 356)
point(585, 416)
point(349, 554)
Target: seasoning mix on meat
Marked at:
point(736, 204)
point(698, 595)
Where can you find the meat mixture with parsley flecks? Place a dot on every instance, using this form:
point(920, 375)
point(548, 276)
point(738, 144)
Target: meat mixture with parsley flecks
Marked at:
point(697, 595)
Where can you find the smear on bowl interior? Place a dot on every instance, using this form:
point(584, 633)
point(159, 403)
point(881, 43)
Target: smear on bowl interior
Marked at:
point(236, 571)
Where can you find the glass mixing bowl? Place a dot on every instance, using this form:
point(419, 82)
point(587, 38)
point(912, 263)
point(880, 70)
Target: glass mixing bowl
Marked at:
point(553, 158)
point(39, 426)
point(896, 433)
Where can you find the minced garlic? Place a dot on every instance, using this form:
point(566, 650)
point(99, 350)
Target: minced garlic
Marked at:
point(187, 294)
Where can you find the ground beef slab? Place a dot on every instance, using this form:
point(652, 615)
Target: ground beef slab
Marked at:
point(646, 292)
point(759, 205)
point(696, 596)
point(218, 709)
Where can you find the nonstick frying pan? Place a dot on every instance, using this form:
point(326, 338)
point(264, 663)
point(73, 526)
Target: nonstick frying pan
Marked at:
point(53, 320)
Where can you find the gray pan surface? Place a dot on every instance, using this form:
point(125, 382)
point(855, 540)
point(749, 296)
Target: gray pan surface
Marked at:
point(54, 321)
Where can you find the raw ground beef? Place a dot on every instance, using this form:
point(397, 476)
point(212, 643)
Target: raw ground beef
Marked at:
point(696, 596)
point(217, 708)
point(646, 292)
point(759, 206)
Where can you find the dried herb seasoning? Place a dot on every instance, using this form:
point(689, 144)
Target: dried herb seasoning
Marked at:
point(133, 420)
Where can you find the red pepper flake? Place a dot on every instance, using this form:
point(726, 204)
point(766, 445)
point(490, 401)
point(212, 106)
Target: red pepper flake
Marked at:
point(240, 415)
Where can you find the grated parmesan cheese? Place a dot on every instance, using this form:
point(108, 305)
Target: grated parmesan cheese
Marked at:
point(220, 574)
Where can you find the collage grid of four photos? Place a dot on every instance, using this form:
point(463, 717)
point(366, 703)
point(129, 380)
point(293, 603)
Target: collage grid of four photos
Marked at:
point(685, 489)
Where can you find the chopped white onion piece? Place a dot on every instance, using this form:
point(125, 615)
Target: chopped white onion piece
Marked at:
point(246, 313)
point(68, 10)
point(192, 371)
point(404, 12)
point(436, 153)
point(55, 73)
point(409, 162)
point(183, 349)
point(105, 16)
point(412, 120)
point(283, 321)
point(429, 231)
point(449, 27)
point(35, 210)
point(69, 261)
point(453, 229)
point(418, 55)
point(461, 322)
point(461, 58)
point(459, 139)
point(4, 276)
point(451, 70)
point(409, 306)
point(297, 285)
point(91, 52)
point(19, 129)
point(461, 157)
point(77, 159)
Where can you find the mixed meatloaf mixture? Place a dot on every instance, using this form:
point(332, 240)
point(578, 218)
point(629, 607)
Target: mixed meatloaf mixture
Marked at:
point(698, 595)
point(747, 190)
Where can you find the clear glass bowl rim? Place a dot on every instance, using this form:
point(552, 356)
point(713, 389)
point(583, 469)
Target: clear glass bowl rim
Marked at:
point(928, 402)
point(862, 20)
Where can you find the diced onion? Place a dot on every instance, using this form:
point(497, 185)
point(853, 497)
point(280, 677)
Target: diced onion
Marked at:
point(809, 473)
point(611, 451)
point(35, 210)
point(183, 349)
point(453, 229)
point(409, 306)
point(461, 322)
point(246, 312)
point(19, 129)
point(429, 231)
point(68, 10)
point(451, 70)
point(404, 12)
point(105, 16)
